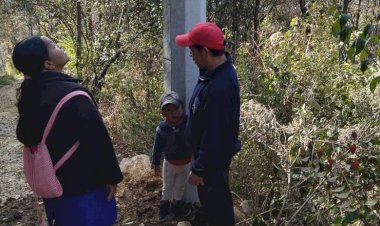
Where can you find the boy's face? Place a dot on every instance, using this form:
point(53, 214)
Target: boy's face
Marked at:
point(57, 56)
point(172, 114)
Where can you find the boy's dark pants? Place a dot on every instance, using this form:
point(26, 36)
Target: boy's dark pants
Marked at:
point(216, 201)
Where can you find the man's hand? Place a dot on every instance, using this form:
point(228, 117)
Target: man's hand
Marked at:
point(195, 180)
point(111, 191)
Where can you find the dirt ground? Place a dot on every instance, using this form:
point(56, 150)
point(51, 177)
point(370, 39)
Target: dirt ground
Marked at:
point(137, 201)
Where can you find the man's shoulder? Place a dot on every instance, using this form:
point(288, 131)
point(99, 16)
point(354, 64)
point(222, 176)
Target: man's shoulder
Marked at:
point(226, 79)
point(228, 72)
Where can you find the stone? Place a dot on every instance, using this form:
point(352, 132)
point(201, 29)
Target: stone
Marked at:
point(246, 207)
point(184, 223)
point(136, 168)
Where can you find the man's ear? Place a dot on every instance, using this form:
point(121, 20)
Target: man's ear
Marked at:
point(207, 51)
point(48, 65)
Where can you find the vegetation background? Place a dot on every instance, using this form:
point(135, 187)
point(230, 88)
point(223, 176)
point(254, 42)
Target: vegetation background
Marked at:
point(308, 70)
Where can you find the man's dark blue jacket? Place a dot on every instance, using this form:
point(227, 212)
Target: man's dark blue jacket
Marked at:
point(213, 126)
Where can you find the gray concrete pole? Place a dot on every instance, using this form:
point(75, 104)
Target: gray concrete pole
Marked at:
point(181, 74)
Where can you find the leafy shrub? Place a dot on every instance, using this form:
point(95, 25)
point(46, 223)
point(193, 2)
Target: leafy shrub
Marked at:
point(303, 112)
point(131, 99)
point(5, 79)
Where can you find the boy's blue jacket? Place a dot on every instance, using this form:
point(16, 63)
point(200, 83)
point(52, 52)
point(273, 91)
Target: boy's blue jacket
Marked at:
point(171, 141)
point(213, 126)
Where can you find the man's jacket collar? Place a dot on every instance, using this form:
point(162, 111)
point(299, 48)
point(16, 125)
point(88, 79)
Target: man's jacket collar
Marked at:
point(207, 75)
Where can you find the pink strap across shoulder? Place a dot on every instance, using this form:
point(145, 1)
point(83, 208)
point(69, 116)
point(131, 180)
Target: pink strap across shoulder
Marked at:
point(57, 109)
point(66, 156)
point(51, 121)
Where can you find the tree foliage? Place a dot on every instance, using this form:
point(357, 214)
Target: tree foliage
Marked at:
point(362, 45)
point(306, 108)
point(109, 42)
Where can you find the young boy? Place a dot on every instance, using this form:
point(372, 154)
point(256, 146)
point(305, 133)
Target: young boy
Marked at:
point(170, 140)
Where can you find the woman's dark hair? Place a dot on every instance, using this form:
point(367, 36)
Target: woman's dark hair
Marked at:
point(29, 55)
point(214, 52)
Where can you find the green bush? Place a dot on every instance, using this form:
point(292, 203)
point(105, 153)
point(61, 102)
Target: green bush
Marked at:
point(302, 106)
point(6, 80)
point(11, 74)
point(130, 97)
point(132, 112)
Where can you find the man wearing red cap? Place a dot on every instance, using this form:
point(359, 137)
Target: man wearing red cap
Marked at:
point(213, 125)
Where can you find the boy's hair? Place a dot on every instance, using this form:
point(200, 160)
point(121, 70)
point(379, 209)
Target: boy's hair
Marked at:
point(171, 97)
point(29, 55)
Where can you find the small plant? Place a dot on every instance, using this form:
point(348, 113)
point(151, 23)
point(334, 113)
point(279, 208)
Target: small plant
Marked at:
point(6, 80)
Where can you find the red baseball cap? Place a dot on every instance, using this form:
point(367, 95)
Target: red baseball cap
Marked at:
point(205, 34)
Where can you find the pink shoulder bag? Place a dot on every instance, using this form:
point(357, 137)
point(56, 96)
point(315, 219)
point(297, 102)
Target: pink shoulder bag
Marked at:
point(38, 167)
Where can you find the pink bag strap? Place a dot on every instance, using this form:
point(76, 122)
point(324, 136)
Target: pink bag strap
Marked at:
point(66, 155)
point(57, 109)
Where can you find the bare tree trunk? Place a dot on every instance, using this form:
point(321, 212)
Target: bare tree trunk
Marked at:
point(303, 7)
point(234, 29)
point(256, 23)
point(345, 5)
point(78, 50)
point(358, 15)
point(2, 64)
point(376, 15)
point(374, 7)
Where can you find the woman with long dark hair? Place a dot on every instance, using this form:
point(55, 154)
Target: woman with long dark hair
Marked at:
point(90, 176)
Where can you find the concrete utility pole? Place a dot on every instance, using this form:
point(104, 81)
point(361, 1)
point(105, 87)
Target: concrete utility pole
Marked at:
point(181, 74)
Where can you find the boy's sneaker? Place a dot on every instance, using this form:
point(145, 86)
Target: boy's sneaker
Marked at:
point(182, 209)
point(164, 212)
